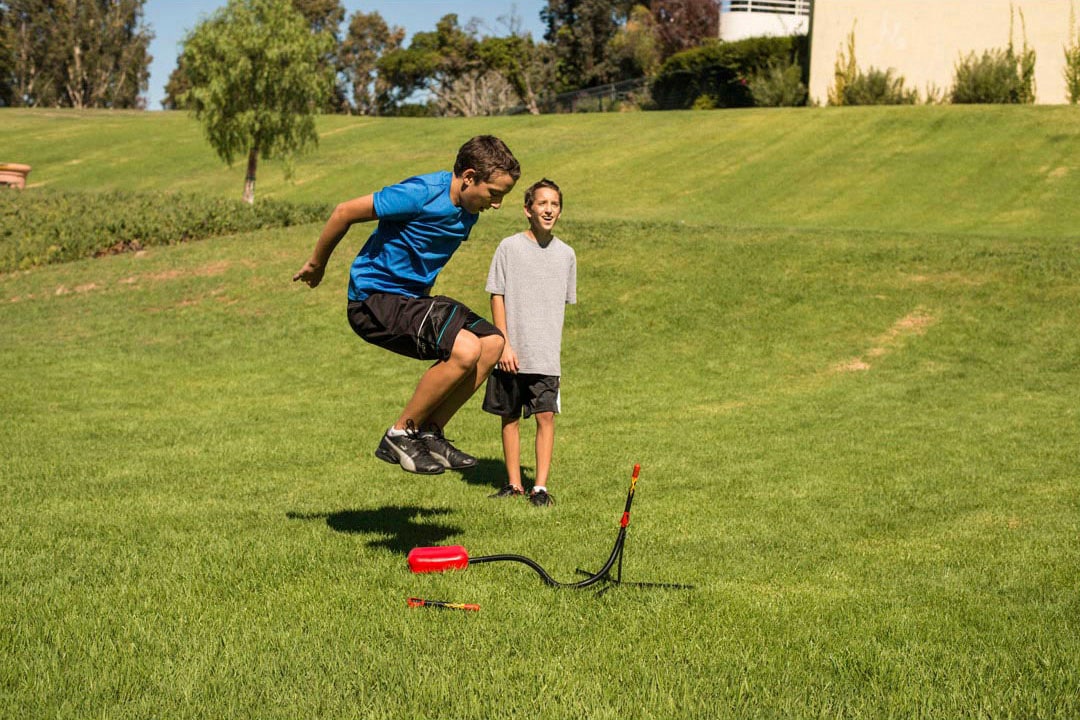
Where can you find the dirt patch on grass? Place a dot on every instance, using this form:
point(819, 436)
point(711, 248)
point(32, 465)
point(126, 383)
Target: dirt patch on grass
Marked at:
point(77, 290)
point(852, 365)
point(949, 279)
point(913, 324)
point(218, 294)
point(210, 270)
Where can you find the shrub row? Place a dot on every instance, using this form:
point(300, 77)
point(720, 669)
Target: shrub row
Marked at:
point(770, 71)
point(40, 226)
point(723, 74)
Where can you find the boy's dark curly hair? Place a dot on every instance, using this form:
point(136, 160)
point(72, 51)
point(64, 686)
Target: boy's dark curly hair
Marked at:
point(488, 156)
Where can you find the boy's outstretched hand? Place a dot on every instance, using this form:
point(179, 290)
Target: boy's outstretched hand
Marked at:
point(311, 274)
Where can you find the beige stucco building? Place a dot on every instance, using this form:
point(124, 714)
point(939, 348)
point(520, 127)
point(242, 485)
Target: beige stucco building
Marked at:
point(924, 39)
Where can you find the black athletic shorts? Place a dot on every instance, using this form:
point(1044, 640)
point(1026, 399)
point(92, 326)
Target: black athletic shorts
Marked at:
point(513, 395)
point(424, 328)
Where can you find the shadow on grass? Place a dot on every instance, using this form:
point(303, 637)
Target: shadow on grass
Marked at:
point(492, 473)
point(488, 473)
point(400, 529)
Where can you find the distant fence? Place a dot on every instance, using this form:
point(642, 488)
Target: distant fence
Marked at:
point(602, 98)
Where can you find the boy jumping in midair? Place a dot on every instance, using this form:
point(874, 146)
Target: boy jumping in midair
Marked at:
point(533, 277)
point(421, 222)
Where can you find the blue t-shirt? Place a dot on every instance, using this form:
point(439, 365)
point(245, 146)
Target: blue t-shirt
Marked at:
point(419, 229)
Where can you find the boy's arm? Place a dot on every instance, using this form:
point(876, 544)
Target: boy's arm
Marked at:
point(508, 361)
point(361, 209)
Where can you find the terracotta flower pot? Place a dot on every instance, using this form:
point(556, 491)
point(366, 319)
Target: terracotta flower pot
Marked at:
point(13, 174)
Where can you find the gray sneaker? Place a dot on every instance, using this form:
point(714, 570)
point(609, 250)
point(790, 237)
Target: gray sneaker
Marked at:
point(408, 451)
point(440, 448)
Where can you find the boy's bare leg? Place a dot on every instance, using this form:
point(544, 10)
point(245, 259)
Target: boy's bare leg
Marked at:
point(511, 442)
point(545, 446)
point(447, 385)
point(441, 381)
point(491, 347)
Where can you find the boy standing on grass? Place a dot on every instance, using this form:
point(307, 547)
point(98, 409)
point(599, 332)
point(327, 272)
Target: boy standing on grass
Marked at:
point(421, 222)
point(533, 277)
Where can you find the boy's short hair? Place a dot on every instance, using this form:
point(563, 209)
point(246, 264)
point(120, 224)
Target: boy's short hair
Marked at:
point(530, 193)
point(487, 155)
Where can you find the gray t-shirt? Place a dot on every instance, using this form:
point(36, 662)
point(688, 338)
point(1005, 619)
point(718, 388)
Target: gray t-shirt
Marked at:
point(536, 284)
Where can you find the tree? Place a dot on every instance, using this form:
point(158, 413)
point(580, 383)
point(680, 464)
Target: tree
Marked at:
point(467, 75)
point(443, 63)
point(684, 24)
point(579, 31)
point(367, 40)
point(634, 52)
point(325, 17)
point(7, 60)
point(177, 88)
point(32, 54)
point(257, 79)
point(74, 53)
point(528, 67)
point(322, 16)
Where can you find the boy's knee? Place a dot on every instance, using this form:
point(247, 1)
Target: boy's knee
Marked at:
point(544, 419)
point(467, 349)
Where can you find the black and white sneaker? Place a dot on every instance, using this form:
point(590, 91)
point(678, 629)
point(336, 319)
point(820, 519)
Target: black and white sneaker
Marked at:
point(440, 448)
point(408, 451)
point(508, 491)
point(540, 497)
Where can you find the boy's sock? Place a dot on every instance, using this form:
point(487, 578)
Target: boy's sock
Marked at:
point(395, 432)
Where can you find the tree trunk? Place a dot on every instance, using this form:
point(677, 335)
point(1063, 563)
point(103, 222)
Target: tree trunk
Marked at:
point(249, 181)
point(530, 95)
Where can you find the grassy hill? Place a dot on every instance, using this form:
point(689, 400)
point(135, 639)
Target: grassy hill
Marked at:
point(841, 343)
point(982, 170)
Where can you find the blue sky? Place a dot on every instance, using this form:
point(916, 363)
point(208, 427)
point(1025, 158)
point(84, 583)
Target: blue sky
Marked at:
point(170, 20)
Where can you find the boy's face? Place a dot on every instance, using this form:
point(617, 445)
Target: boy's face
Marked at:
point(479, 195)
point(544, 211)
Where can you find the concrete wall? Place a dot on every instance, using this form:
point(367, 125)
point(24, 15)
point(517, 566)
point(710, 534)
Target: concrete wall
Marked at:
point(740, 25)
point(924, 39)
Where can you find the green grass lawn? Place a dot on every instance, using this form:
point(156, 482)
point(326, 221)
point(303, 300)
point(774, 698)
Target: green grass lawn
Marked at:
point(857, 424)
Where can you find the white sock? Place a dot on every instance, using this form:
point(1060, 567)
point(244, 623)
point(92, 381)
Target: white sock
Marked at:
point(395, 432)
point(539, 489)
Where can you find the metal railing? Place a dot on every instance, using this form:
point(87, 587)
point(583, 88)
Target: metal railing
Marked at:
point(602, 98)
point(777, 7)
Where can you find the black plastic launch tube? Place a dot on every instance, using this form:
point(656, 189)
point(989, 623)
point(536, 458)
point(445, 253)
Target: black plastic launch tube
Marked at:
point(616, 552)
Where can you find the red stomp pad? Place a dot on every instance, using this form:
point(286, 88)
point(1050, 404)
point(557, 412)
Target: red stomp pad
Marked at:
point(438, 559)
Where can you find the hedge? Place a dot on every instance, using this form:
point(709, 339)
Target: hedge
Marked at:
point(39, 226)
point(718, 73)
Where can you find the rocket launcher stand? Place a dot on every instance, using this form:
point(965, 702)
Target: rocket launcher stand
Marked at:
point(455, 557)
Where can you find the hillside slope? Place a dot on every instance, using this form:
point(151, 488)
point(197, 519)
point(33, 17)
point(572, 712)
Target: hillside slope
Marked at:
point(981, 170)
